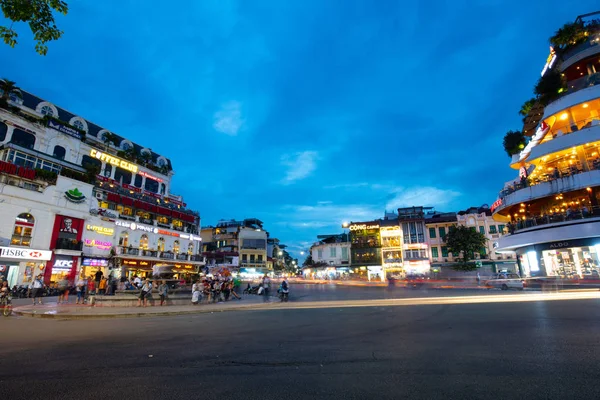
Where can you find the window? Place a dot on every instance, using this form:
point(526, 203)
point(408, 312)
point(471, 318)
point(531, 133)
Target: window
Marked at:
point(320, 254)
point(126, 145)
point(162, 162)
point(47, 110)
point(144, 242)
point(3, 130)
point(442, 231)
point(190, 249)
point(432, 233)
point(482, 252)
point(23, 139)
point(482, 230)
point(501, 228)
point(434, 253)
point(79, 125)
point(124, 239)
point(22, 231)
point(332, 252)
point(59, 152)
point(493, 229)
point(444, 251)
point(176, 247)
point(244, 257)
point(107, 170)
point(252, 258)
point(260, 258)
point(161, 244)
point(138, 181)
point(122, 174)
point(88, 162)
point(344, 253)
point(151, 185)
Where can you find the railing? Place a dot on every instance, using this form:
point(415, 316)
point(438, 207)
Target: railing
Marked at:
point(162, 225)
point(147, 221)
point(69, 244)
point(593, 41)
point(165, 255)
point(554, 218)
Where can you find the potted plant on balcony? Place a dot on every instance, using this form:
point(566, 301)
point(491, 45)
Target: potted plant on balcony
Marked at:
point(569, 35)
point(514, 142)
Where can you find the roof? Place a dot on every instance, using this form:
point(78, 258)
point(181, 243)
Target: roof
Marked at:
point(477, 210)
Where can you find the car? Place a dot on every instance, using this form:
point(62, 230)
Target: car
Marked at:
point(505, 281)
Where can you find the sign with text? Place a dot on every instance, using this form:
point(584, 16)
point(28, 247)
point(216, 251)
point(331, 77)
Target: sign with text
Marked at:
point(12, 169)
point(361, 227)
point(117, 162)
point(102, 245)
point(136, 227)
point(25, 254)
point(67, 130)
point(100, 229)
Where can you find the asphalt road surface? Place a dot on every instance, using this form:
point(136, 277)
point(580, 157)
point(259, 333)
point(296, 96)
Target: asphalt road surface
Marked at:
point(529, 350)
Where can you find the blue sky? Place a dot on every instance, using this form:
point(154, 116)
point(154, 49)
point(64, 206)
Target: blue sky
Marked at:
point(305, 114)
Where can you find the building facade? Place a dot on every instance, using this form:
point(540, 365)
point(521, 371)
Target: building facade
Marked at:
point(76, 198)
point(331, 258)
point(551, 208)
point(415, 246)
point(437, 227)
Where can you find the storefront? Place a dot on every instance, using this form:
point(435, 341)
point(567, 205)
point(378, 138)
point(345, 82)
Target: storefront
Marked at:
point(91, 265)
point(572, 259)
point(67, 248)
point(20, 265)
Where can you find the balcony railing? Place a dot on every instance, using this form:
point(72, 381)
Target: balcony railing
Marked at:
point(69, 244)
point(554, 218)
point(164, 255)
point(592, 42)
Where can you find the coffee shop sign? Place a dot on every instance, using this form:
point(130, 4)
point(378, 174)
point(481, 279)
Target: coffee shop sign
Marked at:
point(361, 227)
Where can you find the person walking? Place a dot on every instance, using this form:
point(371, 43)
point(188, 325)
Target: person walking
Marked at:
point(478, 279)
point(144, 293)
point(235, 288)
point(266, 284)
point(63, 290)
point(102, 285)
point(98, 278)
point(163, 292)
point(80, 289)
point(37, 288)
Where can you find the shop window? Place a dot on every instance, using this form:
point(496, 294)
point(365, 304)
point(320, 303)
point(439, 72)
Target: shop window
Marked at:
point(22, 231)
point(176, 247)
point(161, 244)
point(144, 242)
point(23, 139)
point(124, 239)
point(190, 248)
point(59, 152)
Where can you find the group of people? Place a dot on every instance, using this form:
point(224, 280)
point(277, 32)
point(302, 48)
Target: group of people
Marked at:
point(216, 289)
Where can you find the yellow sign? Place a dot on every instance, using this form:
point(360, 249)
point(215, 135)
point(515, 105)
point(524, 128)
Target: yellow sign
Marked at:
point(100, 229)
point(359, 227)
point(117, 162)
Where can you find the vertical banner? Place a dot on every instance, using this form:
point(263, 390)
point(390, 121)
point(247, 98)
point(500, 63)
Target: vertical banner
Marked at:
point(67, 230)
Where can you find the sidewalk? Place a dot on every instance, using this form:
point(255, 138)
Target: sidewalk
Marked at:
point(76, 311)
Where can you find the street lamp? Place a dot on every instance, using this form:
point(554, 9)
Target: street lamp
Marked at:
point(345, 224)
point(301, 253)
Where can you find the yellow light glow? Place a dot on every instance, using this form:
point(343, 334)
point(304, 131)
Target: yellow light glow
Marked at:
point(564, 116)
point(585, 105)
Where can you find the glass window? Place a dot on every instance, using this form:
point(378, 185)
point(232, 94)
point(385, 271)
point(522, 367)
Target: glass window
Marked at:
point(124, 239)
point(59, 152)
point(79, 125)
point(482, 230)
point(434, 252)
point(23, 139)
point(320, 254)
point(3, 130)
point(432, 233)
point(332, 252)
point(493, 229)
point(442, 231)
point(47, 110)
point(122, 174)
point(161, 244)
point(444, 251)
point(144, 242)
point(151, 185)
point(138, 181)
point(190, 248)
point(344, 253)
point(107, 170)
point(90, 162)
point(176, 247)
point(501, 228)
point(23, 228)
point(260, 258)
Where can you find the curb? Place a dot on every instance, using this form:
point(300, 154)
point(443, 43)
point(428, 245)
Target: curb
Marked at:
point(30, 314)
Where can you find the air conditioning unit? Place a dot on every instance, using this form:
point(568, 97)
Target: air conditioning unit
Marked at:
point(99, 196)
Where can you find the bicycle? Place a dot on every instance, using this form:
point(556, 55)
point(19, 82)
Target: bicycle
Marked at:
point(6, 305)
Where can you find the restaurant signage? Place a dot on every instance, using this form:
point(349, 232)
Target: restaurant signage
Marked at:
point(549, 61)
point(496, 204)
point(147, 175)
point(100, 229)
point(67, 130)
point(117, 162)
point(360, 227)
point(25, 254)
point(17, 170)
point(98, 243)
point(190, 236)
point(94, 262)
point(64, 264)
point(136, 227)
point(7, 122)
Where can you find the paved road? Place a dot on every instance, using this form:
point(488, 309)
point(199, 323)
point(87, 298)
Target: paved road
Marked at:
point(532, 350)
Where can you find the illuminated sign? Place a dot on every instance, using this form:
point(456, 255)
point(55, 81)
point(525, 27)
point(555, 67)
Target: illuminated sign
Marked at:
point(94, 262)
point(98, 243)
point(496, 204)
point(63, 264)
point(147, 175)
point(100, 229)
point(167, 233)
point(144, 263)
point(17, 170)
point(190, 237)
point(549, 61)
point(535, 140)
point(25, 254)
point(136, 227)
point(117, 162)
point(359, 227)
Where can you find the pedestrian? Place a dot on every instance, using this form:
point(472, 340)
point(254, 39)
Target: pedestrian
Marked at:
point(102, 285)
point(91, 286)
point(63, 290)
point(98, 277)
point(109, 284)
point(163, 291)
point(196, 292)
point(37, 288)
point(80, 289)
point(478, 279)
point(144, 293)
point(235, 288)
point(266, 284)
point(137, 282)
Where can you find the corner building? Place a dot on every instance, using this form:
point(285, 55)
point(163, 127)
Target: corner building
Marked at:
point(551, 208)
point(76, 199)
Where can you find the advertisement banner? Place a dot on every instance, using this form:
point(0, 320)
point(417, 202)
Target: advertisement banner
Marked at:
point(66, 234)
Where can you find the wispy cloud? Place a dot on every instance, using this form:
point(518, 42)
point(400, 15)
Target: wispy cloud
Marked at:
point(299, 165)
point(228, 119)
point(421, 196)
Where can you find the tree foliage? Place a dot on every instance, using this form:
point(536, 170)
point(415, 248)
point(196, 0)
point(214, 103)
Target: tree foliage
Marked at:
point(514, 142)
point(308, 261)
point(568, 35)
point(39, 15)
point(550, 86)
point(463, 243)
point(6, 86)
point(527, 106)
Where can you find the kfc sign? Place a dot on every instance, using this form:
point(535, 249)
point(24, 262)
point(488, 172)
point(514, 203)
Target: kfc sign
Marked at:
point(25, 254)
point(63, 264)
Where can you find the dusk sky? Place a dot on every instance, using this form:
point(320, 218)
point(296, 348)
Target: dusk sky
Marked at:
point(305, 114)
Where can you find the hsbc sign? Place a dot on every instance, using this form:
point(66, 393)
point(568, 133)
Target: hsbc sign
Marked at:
point(25, 254)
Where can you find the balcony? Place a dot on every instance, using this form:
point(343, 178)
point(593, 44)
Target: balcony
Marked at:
point(68, 244)
point(124, 252)
point(555, 218)
point(581, 51)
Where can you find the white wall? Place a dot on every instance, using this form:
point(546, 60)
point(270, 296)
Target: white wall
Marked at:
point(326, 252)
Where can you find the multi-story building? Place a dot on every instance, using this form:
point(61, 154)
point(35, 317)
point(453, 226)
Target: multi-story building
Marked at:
point(415, 247)
point(237, 245)
point(437, 226)
point(331, 257)
point(551, 209)
point(76, 198)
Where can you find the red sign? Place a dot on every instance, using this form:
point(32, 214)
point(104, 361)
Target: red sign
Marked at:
point(68, 229)
point(496, 204)
point(131, 187)
point(17, 170)
point(167, 233)
point(147, 175)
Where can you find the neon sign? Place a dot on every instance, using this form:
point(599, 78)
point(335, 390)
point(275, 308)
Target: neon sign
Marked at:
point(117, 162)
point(133, 226)
point(549, 61)
point(496, 204)
point(359, 227)
point(147, 175)
point(100, 229)
point(98, 243)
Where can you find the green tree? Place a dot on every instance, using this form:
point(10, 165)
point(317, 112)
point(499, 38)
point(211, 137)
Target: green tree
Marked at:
point(308, 261)
point(110, 138)
point(527, 106)
point(463, 243)
point(6, 86)
point(39, 15)
point(514, 142)
point(550, 86)
point(570, 34)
